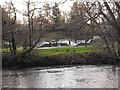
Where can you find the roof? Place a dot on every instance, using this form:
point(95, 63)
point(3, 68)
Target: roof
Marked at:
point(80, 41)
point(69, 42)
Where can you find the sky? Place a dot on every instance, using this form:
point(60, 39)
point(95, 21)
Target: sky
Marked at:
point(20, 5)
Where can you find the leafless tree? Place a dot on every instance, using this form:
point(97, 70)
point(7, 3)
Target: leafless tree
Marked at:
point(102, 18)
point(112, 18)
point(10, 25)
point(30, 14)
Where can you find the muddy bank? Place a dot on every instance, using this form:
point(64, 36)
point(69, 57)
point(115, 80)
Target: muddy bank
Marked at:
point(9, 61)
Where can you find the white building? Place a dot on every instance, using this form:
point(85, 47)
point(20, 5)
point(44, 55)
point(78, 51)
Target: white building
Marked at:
point(80, 41)
point(96, 37)
point(69, 42)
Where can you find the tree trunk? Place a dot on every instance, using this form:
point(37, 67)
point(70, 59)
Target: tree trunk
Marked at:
point(119, 44)
point(13, 44)
point(27, 52)
point(10, 46)
point(29, 26)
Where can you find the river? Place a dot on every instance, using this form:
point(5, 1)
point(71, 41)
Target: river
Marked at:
point(87, 76)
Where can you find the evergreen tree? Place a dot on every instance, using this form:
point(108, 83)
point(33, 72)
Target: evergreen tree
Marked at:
point(74, 10)
point(56, 15)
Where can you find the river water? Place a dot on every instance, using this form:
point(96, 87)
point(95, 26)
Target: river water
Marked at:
point(88, 76)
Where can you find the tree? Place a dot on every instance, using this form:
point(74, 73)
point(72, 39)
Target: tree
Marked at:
point(104, 19)
point(9, 25)
point(47, 8)
point(5, 19)
point(56, 15)
point(30, 14)
point(113, 20)
point(78, 17)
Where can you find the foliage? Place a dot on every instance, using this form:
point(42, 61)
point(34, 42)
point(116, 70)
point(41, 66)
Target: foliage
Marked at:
point(56, 15)
point(86, 19)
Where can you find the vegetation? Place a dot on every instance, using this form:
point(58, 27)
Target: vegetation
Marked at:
point(7, 50)
point(61, 59)
point(82, 22)
point(59, 56)
point(67, 50)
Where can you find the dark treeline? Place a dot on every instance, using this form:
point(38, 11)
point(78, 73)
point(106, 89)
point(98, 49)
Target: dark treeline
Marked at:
point(83, 21)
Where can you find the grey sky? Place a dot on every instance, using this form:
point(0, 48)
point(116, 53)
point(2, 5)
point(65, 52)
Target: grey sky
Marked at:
point(20, 4)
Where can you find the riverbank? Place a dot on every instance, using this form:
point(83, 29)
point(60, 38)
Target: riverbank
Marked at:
point(54, 60)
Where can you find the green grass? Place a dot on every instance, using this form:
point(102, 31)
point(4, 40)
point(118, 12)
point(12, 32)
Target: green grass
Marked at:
point(7, 50)
point(66, 50)
point(56, 51)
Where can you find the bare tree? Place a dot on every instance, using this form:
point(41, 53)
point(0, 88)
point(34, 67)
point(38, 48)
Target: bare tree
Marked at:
point(10, 25)
point(30, 14)
point(105, 19)
point(112, 18)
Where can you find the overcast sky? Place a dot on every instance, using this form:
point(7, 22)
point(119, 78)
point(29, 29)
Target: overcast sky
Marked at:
point(20, 5)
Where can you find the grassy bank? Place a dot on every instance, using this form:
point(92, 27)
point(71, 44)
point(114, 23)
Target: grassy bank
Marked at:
point(66, 50)
point(59, 56)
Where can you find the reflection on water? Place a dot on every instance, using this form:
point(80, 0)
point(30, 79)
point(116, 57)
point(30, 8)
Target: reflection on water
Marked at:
point(63, 77)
